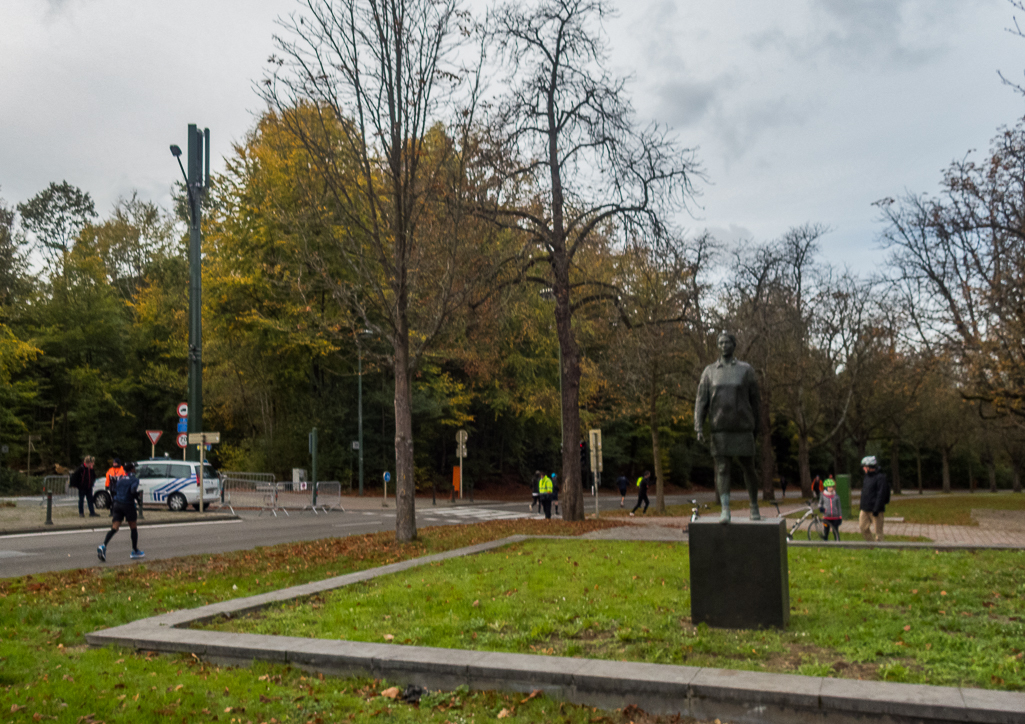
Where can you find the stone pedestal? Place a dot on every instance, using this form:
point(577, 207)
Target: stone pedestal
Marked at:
point(738, 573)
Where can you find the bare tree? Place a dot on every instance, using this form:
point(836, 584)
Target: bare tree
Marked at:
point(572, 161)
point(960, 259)
point(656, 353)
point(801, 325)
point(365, 86)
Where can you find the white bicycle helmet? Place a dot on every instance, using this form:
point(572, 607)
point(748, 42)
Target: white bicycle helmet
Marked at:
point(869, 461)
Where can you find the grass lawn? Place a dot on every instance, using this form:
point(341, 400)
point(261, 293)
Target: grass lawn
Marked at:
point(951, 509)
point(914, 616)
point(47, 673)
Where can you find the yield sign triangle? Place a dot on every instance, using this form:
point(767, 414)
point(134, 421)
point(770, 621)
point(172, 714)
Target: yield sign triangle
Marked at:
point(154, 435)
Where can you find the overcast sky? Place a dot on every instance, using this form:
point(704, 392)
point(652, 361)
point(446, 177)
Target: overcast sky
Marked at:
point(802, 110)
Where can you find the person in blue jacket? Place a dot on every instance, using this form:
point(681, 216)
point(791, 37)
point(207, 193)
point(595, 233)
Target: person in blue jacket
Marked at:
point(125, 493)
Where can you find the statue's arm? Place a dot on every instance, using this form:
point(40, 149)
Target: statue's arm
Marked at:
point(701, 406)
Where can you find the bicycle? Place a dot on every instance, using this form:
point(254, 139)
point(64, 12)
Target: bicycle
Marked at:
point(815, 527)
point(695, 512)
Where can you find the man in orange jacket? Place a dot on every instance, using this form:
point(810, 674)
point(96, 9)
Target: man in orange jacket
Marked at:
point(114, 471)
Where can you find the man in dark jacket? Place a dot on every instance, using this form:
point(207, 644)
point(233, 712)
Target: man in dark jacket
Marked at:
point(125, 491)
point(875, 494)
point(83, 479)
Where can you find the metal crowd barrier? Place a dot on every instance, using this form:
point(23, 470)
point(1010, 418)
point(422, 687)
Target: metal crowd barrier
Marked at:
point(260, 491)
point(60, 487)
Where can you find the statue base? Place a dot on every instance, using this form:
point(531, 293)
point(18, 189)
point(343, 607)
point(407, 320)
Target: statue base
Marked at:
point(738, 573)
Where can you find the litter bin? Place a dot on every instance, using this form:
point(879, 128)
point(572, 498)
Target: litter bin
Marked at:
point(843, 491)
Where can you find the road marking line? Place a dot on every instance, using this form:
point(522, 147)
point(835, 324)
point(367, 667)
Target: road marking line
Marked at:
point(94, 530)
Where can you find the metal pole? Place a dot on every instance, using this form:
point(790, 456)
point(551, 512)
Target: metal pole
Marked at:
point(49, 507)
point(313, 452)
point(199, 472)
point(196, 188)
point(360, 414)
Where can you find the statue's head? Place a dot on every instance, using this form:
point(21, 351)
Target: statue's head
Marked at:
point(727, 343)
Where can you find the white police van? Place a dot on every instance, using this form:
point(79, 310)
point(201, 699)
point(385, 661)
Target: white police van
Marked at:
point(163, 481)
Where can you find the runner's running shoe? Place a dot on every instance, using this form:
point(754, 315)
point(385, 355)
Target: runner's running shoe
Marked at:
point(138, 554)
point(101, 552)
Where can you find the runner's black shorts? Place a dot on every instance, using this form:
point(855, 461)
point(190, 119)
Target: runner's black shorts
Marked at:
point(125, 511)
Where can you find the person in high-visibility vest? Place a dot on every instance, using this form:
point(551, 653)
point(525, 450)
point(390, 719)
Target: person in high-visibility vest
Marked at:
point(546, 488)
point(642, 492)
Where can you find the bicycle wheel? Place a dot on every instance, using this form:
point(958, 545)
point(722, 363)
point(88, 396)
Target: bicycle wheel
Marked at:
point(815, 529)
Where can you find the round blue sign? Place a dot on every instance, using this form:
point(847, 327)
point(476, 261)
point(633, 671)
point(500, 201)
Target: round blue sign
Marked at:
point(387, 477)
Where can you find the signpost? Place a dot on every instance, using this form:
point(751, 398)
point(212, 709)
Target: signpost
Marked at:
point(461, 452)
point(594, 438)
point(183, 428)
point(202, 439)
point(387, 478)
point(153, 436)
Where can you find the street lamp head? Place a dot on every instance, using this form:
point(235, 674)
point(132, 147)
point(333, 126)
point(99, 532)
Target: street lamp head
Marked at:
point(175, 151)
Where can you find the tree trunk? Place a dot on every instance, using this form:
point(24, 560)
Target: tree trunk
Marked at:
point(895, 465)
point(804, 463)
point(656, 450)
point(918, 461)
point(945, 456)
point(571, 494)
point(766, 454)
point(405, 485)
point(991, 470)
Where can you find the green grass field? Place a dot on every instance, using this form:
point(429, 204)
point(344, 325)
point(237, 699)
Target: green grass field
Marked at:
point(954, 509)
point(47, 673)
point(912, 616)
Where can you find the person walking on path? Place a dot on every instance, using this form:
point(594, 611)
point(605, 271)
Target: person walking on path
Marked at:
point(545, 487)
point(125, 489)
point(621, 482)
point(555, 491)
point(83, 479)
point(642, 492)
point(783, 486)
point(829, 504)
point(875, 494)
point(535, 495)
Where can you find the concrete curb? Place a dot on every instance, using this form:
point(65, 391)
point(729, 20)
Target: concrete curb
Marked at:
point(741, 696)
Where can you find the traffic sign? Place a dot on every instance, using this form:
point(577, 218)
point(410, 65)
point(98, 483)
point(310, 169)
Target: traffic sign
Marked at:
point(183, 409)
point(183, 425)
point(461, 437)
point(183, 440)
point(154, 435)
point(204, 438)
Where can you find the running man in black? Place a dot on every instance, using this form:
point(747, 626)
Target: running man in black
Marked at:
point(642, 492)
point(125, 491)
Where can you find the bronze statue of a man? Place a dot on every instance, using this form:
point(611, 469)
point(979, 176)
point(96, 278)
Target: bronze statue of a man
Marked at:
point(728, 395)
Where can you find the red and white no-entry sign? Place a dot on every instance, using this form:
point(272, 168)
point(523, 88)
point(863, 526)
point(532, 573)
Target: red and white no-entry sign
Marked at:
point(183, 410)
point(183, 440)
point(154, 435)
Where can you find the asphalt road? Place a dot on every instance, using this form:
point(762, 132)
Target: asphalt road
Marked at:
point(31, 553)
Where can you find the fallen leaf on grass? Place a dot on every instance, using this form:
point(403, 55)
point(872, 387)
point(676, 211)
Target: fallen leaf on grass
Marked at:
point(535, 692)
point(389, 637)
point(391, 692)
point(476, 603)
point(503, 714)
point(908, 627)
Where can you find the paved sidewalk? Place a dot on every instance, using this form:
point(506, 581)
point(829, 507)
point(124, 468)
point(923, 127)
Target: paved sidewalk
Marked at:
point(995, 530)
point(737, 696)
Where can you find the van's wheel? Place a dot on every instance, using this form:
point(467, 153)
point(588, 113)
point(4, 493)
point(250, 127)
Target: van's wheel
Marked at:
point(177, 502)
point(101, 500)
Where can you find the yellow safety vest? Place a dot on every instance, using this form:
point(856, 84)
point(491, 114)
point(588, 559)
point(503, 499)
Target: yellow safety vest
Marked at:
point(544, 485)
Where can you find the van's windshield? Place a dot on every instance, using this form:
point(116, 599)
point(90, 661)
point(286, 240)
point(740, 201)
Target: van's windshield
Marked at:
point(209, 473)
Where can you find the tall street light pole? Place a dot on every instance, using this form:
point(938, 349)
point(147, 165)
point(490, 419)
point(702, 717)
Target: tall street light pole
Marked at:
point(197, 182)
